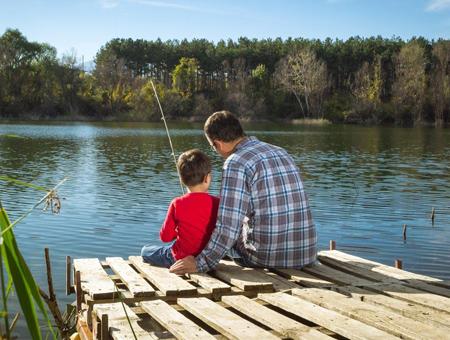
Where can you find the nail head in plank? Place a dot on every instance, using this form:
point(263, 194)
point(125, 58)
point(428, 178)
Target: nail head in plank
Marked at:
point(95, 281)
point(166, 282)
point(276, 321)
point(135, 283)
point(175, 322)
point(331, 320)
point(222, 320)
point(375, 316)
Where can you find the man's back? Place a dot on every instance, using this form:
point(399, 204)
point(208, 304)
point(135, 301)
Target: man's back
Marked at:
point(279, 231)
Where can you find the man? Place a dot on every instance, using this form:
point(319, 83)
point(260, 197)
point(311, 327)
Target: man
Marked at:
point(264, 219)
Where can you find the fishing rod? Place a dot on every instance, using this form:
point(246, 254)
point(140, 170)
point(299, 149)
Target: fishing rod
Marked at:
point(168, 135)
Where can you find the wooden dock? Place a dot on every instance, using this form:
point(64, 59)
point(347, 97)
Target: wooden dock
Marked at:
point(342, 296)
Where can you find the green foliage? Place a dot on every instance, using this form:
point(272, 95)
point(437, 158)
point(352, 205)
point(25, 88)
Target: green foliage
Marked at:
point(18, 272)
point(267, 78)
point(184, 76)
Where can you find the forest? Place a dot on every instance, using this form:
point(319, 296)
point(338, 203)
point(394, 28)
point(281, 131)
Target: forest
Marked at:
point(359, 80)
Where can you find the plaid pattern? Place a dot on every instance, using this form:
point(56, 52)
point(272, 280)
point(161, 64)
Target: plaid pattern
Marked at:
point(264, 212)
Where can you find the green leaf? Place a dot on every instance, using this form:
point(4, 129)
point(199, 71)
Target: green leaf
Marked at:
point(25, 184)
point(25, 286)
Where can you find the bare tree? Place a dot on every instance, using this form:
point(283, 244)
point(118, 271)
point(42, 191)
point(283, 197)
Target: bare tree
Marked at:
point(410, 81)
point(306, 77)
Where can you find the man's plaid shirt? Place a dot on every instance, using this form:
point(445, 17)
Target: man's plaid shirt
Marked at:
point(264, 212)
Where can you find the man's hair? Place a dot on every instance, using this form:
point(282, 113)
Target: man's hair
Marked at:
point(193, 166)
point(223, 126)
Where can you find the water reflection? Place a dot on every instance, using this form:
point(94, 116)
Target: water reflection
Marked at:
point(363, 183)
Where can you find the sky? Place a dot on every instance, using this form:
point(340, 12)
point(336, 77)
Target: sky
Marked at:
point(83, 26)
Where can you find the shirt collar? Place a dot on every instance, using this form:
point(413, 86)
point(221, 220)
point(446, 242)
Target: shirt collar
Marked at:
point(244, 142)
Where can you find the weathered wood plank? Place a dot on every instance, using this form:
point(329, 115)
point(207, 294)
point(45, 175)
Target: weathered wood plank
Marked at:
point(135, 283)
point(166, 282)
point(325, 272)
point(280, 323)
point(380, 318)
point(304, 278)
point(375, 267)
point(279, 283)
point(94, 280)
point(211, 284)
point(175, 322)
point(411, 310)
point(243, 278)
point(119, 327)
point(222, 320)
point(407, 293)
point(331, 320)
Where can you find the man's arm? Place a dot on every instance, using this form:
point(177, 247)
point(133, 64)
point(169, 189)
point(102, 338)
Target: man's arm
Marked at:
point(234, 202)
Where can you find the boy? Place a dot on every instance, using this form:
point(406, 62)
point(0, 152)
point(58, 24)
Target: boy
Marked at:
point(190, 218)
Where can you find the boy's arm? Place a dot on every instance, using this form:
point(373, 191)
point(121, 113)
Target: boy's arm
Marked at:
point(168, 232)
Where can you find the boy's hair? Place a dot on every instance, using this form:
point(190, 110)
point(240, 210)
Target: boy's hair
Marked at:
point(193, 166)
point(223, 126)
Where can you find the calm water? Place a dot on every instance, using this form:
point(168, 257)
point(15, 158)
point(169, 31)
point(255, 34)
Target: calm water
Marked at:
point(363, 184)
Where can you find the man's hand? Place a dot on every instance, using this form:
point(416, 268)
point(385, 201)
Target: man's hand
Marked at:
point(183, 266)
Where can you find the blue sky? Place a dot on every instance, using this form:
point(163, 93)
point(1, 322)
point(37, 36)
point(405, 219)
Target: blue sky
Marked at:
point(86, 25)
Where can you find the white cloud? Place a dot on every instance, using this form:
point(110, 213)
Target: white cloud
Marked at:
point(438, 5)
point(109, 3)
point(174, 6)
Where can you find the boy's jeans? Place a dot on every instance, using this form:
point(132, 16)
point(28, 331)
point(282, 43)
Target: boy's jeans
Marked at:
point(158, 255)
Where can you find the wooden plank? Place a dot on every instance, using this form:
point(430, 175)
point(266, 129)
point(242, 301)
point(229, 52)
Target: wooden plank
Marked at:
point(387, 271)
point(407, 293)
point(119, 327)
point(222, 320)
point(211, 284)
point(243, 278)
point(94, 280)
point(331, 320)
point(411, 310)
point(166, 282)
point(280, 323)
point(380, 318)
point(376, 271)
point(135, 283)
point(175, 322)
point(325, 272)
point(279, 283)
point(304, 278)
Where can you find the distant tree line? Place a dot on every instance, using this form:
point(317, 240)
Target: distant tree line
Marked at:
point(365, 81)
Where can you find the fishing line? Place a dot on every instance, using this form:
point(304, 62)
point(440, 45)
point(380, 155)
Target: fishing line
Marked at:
point(168, 135)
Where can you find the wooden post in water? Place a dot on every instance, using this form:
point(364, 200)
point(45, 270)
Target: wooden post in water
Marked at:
point(398, 264)
point(433, 211)
point(78, 289)
point(404, 231)
point(69, 288)
point(332, 245)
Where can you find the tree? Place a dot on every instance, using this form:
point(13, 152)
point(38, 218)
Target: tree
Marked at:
point(305, 76)
point(184, 76)
point(408, 92)
point(440, 84)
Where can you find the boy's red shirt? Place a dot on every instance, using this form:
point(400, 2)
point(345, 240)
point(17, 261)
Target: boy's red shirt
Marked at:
point(190, 220)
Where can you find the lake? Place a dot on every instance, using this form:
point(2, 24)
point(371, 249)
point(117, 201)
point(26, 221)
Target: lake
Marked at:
point(364, 183)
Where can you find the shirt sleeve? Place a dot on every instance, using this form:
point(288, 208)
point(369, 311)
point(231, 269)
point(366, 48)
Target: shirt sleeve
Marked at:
point(234, 202)
point(168, 232)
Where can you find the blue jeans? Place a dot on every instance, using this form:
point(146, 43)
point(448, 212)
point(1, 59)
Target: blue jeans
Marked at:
point(158, 255)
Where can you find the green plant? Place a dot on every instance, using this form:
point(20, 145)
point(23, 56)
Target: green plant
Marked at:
point(17, 271)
